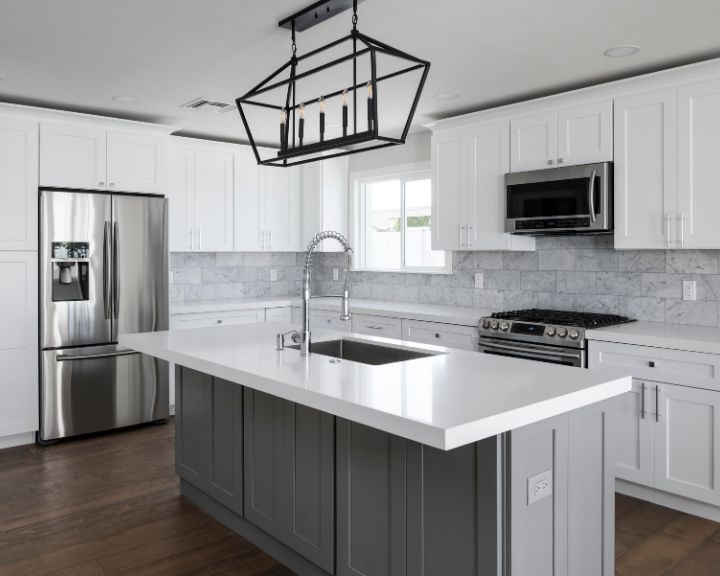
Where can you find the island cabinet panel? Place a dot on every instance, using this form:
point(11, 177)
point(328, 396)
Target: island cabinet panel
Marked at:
point(209, 436)
point(289, 475)
point(371, 499)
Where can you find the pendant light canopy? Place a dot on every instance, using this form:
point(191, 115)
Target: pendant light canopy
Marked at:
point(352, 95)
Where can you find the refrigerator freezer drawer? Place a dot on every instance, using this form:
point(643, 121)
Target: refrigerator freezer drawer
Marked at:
point(99, 388)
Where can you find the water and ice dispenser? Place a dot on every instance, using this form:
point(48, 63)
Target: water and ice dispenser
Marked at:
point(70, 269)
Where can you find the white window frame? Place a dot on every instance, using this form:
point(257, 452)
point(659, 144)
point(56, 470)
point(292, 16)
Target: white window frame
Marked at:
point(420, 170)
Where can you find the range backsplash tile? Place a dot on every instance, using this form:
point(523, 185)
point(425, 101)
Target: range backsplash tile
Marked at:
point(582, 273)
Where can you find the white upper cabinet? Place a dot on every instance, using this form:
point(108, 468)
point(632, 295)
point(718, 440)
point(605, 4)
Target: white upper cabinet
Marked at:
point(645, 170)
point(282, 209)
point(135, 162)
point(73, 156)
point(569, 136)
point(249, 203)
point(468, 202)
point(201, 199)
point(324, 200)
point(18, 184)
point(92, 158)
point(698, 135)
point(534, 142)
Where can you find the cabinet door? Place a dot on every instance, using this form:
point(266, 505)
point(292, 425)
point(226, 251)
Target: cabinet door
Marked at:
point(282, 206)
point(698, 145)
point(585, 134)
point(330, 320)
point(333, 206)
point(687, 451)
point(135, 162)
point(214, 201)
point(192, 394)
point(533, 142)
point(72, 156)
point(310, 493)
point(181, 200)
point(249, 203)
point(18, 343)
point(489, 155)
point(371, 502)
point(264, 465)
point(18, 183)
point(449, 189)
point(633, 434)
point(645, 170)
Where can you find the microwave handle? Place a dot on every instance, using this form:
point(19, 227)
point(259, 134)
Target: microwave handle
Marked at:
point(591, 196)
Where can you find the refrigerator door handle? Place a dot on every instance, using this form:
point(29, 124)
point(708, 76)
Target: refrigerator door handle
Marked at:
point(115, 283)
point(106, 271)
point(73, 357)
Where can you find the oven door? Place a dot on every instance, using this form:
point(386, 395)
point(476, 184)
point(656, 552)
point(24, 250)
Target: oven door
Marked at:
point(527, 351)
point(571, 199)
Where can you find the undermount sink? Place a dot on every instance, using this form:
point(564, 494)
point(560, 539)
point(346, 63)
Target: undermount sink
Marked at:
point(363, 352)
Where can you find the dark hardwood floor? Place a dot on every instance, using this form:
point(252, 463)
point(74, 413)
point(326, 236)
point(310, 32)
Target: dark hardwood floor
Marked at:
point(111, 505)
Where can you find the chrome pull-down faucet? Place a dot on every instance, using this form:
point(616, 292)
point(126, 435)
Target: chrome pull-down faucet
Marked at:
point(328, 235)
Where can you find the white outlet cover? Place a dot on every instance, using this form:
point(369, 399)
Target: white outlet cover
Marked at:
point(689, 290)
point(273, 275)
point(540, 486)
point(479, 280)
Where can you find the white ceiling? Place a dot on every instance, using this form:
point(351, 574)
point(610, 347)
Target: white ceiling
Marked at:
point(78, 54)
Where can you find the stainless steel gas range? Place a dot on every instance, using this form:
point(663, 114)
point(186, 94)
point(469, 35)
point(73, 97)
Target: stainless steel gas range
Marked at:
point(553, 336)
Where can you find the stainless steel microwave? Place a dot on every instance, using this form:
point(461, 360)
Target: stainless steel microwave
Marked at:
point(569, 200)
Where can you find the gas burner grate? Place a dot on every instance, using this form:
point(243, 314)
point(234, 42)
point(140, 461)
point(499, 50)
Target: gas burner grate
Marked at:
point(563, 318)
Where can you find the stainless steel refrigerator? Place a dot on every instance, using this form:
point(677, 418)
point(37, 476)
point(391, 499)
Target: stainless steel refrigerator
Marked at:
point(103, 272)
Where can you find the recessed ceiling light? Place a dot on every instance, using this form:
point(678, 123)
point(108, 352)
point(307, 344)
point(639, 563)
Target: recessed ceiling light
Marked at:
point(446, 96)
point(125, 99)
point(622, 51)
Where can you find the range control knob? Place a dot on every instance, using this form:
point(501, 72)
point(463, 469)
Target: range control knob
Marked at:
point(486, 324)
point(550, 331)
point(504, 326)
point(574, 334)
point(495, 325)
point(562, 332)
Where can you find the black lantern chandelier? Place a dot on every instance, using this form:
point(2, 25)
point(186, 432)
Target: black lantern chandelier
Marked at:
point(327, 101)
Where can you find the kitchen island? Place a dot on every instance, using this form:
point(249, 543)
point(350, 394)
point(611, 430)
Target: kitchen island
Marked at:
point(451, 463)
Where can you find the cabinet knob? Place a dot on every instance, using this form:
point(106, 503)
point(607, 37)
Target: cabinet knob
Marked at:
point(651, 364)
point(101, 183)
point(112, 184)
point(219, 321)
point(437, 335)
point(561, 160)
point(551, 162)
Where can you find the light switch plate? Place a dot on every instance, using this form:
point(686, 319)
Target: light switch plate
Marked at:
point(479, 280)
point(273, 275)
point(540, 486)
point(689, 290)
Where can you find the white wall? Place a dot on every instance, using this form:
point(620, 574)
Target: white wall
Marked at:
point(415, 149)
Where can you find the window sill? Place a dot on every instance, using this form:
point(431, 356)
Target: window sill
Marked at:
point(434, 271)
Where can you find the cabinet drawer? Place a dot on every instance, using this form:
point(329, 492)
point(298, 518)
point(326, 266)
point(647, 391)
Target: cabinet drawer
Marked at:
point(277, 315)
point(377, 326)
point(658, 364)
point(450, 335)
point(328, 319)
point(182, 321)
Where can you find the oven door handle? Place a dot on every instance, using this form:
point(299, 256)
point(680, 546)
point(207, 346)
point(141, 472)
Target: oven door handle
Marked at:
point(531, 351)
point(591, 196)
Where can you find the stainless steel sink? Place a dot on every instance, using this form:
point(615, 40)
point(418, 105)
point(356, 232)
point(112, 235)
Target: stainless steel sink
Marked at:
point(363, 352)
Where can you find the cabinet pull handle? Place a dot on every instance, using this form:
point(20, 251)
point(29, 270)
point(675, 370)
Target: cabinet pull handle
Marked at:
point(192, 239)
point(200, 238)
point(642, 401)
point(682, 230)
point(101, 184)
point(269, 239)
point(651, 364)
point(373, 327)
point(551, 162)
point(561, 160)
point(667, 229)
point(467, 236)
point(437, 335)
point(262, 239)
point(657, 403)
point(460, 234)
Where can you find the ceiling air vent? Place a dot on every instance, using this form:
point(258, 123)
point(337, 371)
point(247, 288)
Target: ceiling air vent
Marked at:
point(206, 105)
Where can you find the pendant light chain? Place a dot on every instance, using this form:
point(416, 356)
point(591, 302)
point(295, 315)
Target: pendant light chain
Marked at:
point(294, 45)
point(354, 18)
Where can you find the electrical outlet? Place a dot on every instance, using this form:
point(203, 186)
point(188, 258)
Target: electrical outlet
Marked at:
point(273, 275)
point(479, 280)
point(689, 288)
point(336, 273)
point(540, 486)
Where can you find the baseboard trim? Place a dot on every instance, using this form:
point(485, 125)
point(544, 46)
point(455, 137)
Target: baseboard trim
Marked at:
point(668, 500)
point(17, 440)
point(239, 525)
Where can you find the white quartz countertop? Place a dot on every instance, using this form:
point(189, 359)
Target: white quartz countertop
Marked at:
point(674, 336)
point(432, 313)
point(446, 401)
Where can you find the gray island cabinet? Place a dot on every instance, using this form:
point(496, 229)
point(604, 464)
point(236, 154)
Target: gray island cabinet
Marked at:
point(325, 495)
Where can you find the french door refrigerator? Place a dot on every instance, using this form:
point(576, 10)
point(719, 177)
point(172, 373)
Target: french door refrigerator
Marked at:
point(103, 272)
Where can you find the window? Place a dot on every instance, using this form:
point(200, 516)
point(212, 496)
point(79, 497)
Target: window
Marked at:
point(393, 223)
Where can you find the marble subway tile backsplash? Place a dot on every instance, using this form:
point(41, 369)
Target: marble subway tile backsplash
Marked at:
point(582, 273)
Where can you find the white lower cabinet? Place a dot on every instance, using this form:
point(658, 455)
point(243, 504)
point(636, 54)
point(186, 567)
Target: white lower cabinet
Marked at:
point(377, 325)
point(278, 315)
point(666, 433)
point(449, 335)
point(204, 320)
point(328, 319)
point(18, 343)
